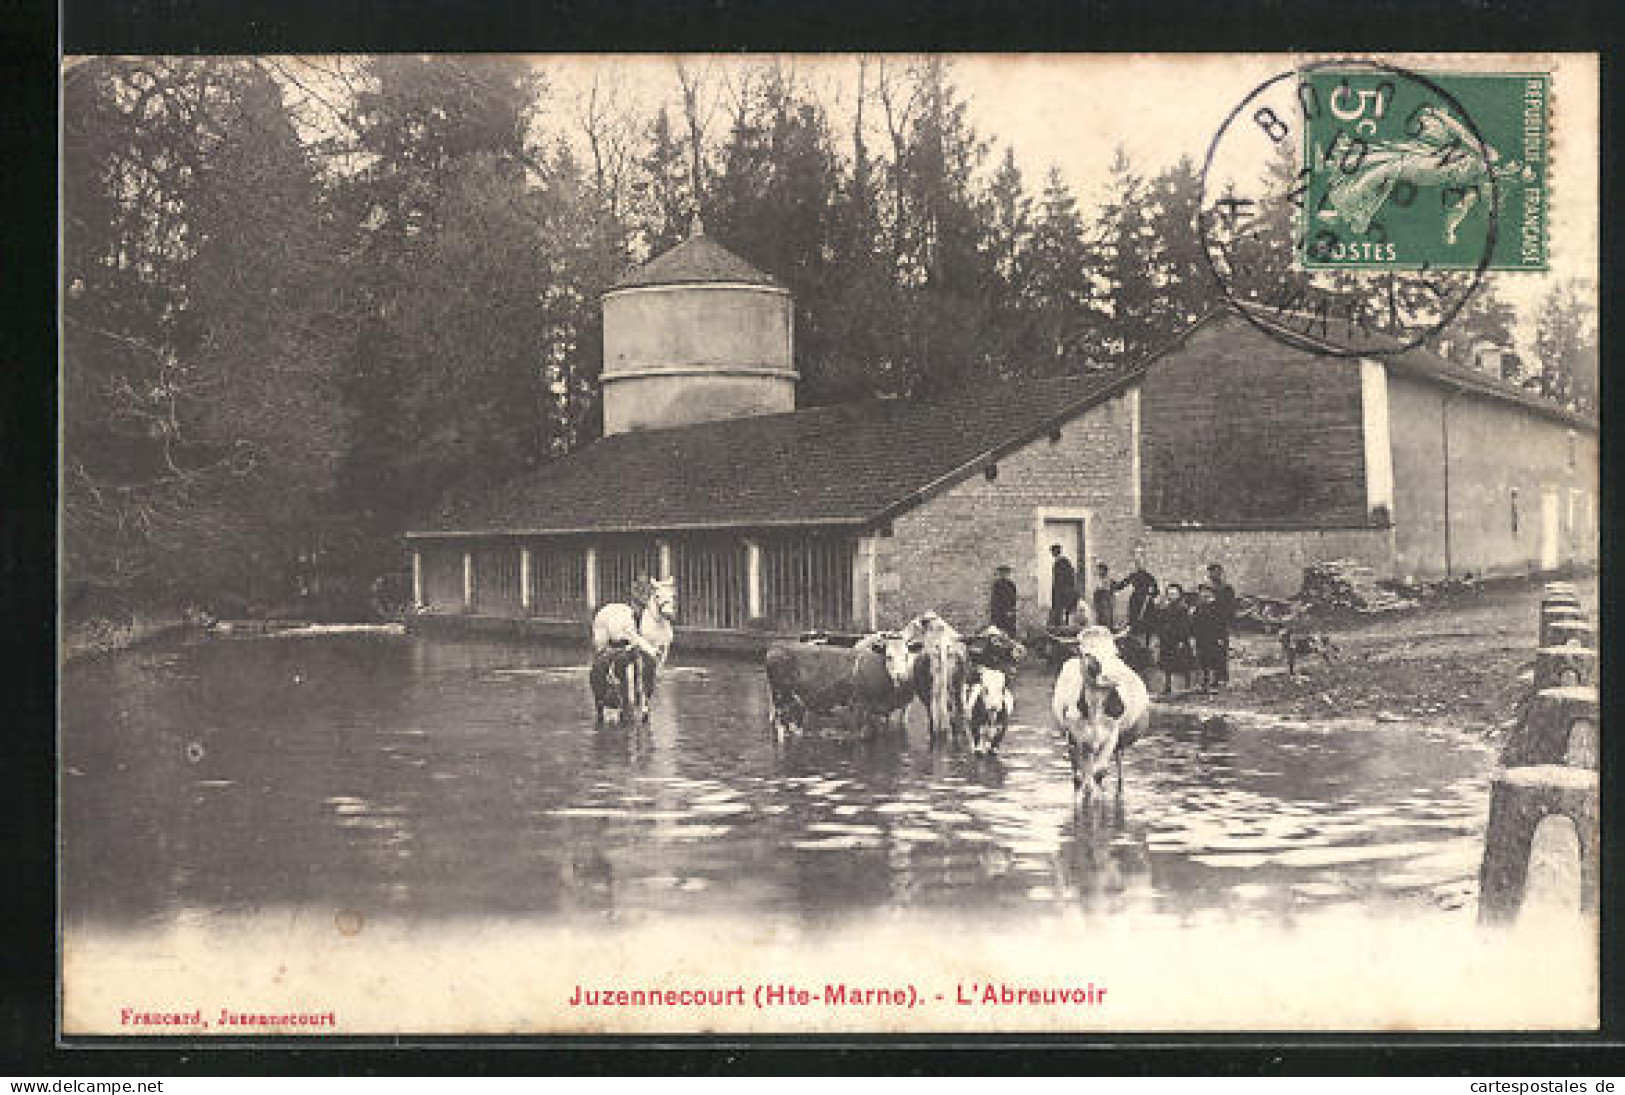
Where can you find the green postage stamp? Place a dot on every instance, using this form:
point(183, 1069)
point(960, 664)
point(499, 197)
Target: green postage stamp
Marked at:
point(1442, 171)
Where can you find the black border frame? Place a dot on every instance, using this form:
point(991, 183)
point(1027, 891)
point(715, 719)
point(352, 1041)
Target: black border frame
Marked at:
point(31, 37)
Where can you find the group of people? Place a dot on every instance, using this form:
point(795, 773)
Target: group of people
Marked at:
point(1189, 632)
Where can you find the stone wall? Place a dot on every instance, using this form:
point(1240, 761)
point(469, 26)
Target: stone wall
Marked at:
point(1267, 562)
point(941, 554)
point(1239, 427)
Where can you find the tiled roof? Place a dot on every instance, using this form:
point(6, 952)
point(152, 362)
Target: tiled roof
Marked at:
point(1424, 364)
point(697, 259)
point(850, 464)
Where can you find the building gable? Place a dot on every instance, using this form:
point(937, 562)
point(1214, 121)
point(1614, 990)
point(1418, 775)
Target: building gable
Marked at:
point(1240, 429)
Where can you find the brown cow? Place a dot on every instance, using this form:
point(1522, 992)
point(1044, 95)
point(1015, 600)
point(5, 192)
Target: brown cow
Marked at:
point(806, 679)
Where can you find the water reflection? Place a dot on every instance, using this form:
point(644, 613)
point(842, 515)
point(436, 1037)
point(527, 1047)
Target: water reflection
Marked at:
point(434, 778)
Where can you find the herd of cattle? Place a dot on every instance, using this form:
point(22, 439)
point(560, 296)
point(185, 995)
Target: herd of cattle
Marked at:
point(1099, 702)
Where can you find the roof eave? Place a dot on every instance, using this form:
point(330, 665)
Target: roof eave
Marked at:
point(921, 495)
point(670, 526)
point(1395, 358)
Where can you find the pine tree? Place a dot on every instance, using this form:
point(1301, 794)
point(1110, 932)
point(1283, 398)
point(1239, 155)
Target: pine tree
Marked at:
point(1058, 292)
point(1566, 345)
point(663, 193)
point(936, 238)
point(1184, 289)
point(200, 319)
point(423, 129)
point(1126, 249)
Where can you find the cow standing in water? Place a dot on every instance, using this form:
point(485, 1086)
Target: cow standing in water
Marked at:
point(869, 680)
point(989, 703)
point(941, 672)
point(1102, 707)
point(649, 632)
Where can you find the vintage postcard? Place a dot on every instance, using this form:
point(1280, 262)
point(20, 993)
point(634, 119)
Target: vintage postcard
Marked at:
point(829, 544)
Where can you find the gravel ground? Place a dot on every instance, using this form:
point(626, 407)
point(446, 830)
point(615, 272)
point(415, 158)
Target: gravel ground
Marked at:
point(1465, 663)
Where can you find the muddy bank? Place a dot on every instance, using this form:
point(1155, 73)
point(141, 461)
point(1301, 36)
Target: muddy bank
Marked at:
point(1466, 664)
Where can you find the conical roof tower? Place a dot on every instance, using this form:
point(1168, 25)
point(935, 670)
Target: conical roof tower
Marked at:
point(696, 334)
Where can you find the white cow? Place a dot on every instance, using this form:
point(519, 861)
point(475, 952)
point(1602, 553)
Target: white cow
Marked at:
point(941, 672)
point(1101, 705)
point(991, 705)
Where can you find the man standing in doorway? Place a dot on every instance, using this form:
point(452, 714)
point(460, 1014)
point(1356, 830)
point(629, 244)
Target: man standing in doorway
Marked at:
point(1002, 603)
point(1063, 588)
point(1224, 597)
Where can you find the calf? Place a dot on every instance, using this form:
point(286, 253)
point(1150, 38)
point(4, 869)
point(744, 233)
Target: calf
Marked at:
point(990, 704)
point(1101, 705)
point(872, 678)
point(1305, 646)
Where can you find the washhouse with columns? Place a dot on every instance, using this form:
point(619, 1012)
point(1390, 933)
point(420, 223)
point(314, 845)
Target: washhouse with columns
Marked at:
point(1240, 442)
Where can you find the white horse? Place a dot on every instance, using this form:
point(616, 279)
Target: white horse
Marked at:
point(650, 633)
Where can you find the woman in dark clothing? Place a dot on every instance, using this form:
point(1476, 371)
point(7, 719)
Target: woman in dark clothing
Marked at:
point(1224, 597)
point(1170, 620)
point(1210, 629)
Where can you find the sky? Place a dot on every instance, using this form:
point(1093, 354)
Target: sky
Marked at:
point(1071, 111)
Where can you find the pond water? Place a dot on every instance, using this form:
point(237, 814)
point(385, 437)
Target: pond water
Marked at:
point(397, 775)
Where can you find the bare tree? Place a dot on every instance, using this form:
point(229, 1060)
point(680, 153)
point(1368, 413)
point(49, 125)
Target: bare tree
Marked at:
point(699, 107)
point(610, 128)
point(900, 95)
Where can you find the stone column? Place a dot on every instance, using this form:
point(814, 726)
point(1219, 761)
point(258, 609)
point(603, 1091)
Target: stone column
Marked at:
point(417, 578)
point(592, 578)
point(753, 580)
point(865, 594)
point(524, 578)
point(664, 548)
point(468, 581)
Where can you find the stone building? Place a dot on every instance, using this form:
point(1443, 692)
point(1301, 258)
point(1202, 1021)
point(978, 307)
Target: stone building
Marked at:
point(1239, 443)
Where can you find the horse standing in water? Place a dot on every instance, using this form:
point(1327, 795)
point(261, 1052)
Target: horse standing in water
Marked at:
point(621, 678)
point(649, 633)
